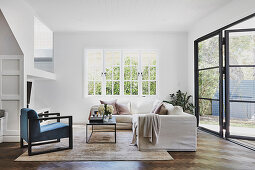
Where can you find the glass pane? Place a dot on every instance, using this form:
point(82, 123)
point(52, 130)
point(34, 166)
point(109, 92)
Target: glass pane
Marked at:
point(116, 73)
point(90, 88)
point(108, 88)
point(134, 73)
point(153, 88)
point(98, 88)
point(108, 60)
point(43, 46)
point(108, 73)
point(116, 57)
point(152, 73)
point(131, 58)
point(145, 73)
point(127, 87)
point(242, 83)
point(112, 58)
point(242, 119)
point(95, 58)
point(134, 88)
point(43, 40)
point(209, 84)
point(91, 73)
point(127, 60)
point(242, 48)
point(116, 87)
point(134, 60)
point(208, 53)
point(112, 62)
point(209, 114)
point(149, 58)
point(154, 60)
point(97, 73)
point(94, 64)
point(146, 60)
point(127, 73)
point(145, 87)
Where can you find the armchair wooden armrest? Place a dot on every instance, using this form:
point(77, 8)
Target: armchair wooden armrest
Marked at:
point(50, 118)
point(48, 114)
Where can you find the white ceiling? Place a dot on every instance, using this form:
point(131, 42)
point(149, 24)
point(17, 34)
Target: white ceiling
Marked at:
point(123, 15)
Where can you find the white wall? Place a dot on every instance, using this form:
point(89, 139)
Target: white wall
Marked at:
point(11, 81)
point(8, 43)
point(222, 17)
point(20, 18)
point(66, 93)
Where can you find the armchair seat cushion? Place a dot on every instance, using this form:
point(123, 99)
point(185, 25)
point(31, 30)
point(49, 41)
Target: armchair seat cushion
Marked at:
point(52, 131)
point(52, 126)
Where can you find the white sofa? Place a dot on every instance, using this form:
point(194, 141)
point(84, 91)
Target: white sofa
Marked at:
point(178, 131)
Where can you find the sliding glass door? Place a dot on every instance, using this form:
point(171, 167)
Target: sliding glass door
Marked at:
point(209, 80)
point(240, 83)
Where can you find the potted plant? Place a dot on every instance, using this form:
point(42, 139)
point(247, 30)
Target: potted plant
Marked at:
point(183, 100)
point(106, 110)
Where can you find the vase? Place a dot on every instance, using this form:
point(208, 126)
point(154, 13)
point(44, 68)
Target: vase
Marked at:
point(110, 116)
point(106, 118)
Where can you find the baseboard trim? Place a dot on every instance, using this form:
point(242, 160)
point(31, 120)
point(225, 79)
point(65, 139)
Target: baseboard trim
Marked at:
point(11, 138)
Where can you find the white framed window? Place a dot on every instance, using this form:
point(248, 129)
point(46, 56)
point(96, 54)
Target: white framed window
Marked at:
point(121, 72)
point(94, 60)
point(149, 73)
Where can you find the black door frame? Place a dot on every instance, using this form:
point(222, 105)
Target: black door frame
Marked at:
point(227, 87)
point(222, 71)
point(220, 67)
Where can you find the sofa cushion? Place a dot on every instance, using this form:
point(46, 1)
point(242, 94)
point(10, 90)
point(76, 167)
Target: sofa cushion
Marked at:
point(143, 106)
point(123, 108)
point(169, 107)
point(123, 118)
point(177, 110)
point(111, 102)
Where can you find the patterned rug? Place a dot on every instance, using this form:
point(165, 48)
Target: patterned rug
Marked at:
point(82, 151)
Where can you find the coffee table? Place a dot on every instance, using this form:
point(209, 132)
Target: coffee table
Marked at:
point(111, 122)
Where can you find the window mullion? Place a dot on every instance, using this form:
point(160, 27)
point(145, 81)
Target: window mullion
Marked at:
point(140, 75)
point(149, 79)
point(121, 73)
point(103, 75)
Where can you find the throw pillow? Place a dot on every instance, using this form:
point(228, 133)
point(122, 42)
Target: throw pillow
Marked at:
point(123, 109)
point(163, 110)
point(47, 122)
point(112, 102)
point(157, 109)
point(155, 105)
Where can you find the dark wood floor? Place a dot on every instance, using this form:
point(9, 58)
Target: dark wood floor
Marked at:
point(212, 153)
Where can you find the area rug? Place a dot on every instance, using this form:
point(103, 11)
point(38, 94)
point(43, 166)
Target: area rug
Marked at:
point(82, 151)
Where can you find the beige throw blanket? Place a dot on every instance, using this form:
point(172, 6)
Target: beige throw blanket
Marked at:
point(151, 126)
